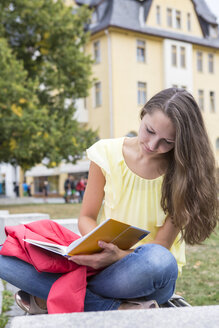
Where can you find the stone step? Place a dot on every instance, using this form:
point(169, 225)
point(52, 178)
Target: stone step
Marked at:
point(185, 317)
point(14, 219)
point(4, 212)
point(71, 224)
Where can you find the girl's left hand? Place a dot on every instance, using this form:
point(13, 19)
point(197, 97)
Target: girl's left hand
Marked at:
point(110, 254)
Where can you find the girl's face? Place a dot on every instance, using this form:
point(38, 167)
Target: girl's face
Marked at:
point(156, 133)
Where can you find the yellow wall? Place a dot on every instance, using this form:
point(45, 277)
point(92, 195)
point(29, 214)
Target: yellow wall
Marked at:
point(127, 72)
point(208, 82)
point(185, 7)
point(99, 116)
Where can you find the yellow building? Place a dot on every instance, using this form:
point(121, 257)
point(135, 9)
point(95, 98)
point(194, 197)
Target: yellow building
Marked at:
point(141, 47)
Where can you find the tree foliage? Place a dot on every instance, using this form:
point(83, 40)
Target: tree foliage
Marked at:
point(43, 71)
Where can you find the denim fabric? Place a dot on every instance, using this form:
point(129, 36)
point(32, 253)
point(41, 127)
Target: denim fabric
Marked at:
point(149, 272)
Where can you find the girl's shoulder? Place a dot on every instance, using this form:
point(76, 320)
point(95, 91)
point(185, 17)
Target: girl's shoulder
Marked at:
point(107, 146)
point(106, 153)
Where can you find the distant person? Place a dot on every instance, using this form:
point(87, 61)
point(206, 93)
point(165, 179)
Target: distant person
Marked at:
point(69, 187)
point(25, 188)
point(80, 187)
point(16, 189)
point(29, 190)
point(45, 189)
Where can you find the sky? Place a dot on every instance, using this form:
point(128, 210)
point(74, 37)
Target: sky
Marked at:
point(214, 7)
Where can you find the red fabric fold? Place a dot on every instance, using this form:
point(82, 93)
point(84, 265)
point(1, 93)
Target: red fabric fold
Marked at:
point(68, 292)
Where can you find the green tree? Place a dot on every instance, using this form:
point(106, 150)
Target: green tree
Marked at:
point(43, 71)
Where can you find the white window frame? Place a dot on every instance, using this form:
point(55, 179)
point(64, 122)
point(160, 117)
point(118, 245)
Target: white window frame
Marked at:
point(201, 99)
point(96, 51)
point(189, 22)
point(212, 101)
point(210, 63)
point(182, 57)
point(217, 144)
point(178, 20)
point(158, 15)
point(174, 55)
point(141, 93)
point(169, 17)
point(199, 61)
point(141, 51)
point(97, 94)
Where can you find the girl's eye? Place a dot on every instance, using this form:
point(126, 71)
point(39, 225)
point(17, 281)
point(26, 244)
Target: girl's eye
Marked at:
point(149, 131)
point(168, 142)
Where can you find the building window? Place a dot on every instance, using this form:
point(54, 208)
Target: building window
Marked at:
point(210, 63)
point(97, 94)
point(141, 51)
point(174, 56)
point(213, 31)
point(142, 93)
point(169, 17)
point(217, 144)
point(201, 99)
point(212, 101)
point(189, 22)
point(199, 61)
point(178, 19)
point(158, 18)
point(183, 57)
point(96, 52)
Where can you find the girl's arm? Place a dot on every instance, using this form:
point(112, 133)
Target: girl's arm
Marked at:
point(166, 234)
point(92, 200)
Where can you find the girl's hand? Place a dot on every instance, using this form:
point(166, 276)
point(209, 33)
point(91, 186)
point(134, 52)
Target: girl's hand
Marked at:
point(110, 254)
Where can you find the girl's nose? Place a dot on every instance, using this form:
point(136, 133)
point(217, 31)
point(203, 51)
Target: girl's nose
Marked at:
point(153, 144)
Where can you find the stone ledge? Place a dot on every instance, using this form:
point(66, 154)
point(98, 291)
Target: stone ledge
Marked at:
point(185, 317)
point(14, 219)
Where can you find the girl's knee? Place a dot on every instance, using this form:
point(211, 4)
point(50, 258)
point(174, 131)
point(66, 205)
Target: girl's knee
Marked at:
point(159, 259)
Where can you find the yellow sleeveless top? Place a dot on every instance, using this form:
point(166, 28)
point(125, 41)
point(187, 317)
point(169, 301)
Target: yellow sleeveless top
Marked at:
point(130, 198)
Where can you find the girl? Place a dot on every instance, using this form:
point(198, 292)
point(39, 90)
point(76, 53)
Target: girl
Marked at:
point(163, 180)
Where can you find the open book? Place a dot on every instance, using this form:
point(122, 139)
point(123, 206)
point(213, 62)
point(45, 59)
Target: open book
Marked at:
point(111, 231)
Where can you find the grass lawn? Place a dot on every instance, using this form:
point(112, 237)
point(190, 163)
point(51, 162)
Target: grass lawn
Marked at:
point(199, 283)
point(56, 211)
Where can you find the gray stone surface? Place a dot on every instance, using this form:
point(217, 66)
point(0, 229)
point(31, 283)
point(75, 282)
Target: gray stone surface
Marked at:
point(30, 200)
point(14, 219)
point(4, 212)
point(188, 317)
point(15, 310)
point(71, 224)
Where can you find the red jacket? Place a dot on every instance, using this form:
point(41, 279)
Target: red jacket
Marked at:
point(68, 292)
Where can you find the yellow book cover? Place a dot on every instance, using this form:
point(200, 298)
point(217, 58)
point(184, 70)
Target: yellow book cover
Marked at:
point(111, 231)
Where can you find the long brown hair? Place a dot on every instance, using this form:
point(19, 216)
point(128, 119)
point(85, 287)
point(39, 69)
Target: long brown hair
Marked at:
point(189, 191)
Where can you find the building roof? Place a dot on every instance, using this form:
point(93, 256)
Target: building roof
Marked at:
point(132, 15)
point(203, 11)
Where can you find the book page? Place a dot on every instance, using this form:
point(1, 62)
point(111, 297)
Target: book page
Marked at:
point(59, 249)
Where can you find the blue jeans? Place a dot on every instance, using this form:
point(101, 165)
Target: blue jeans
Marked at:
point(149, 272)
